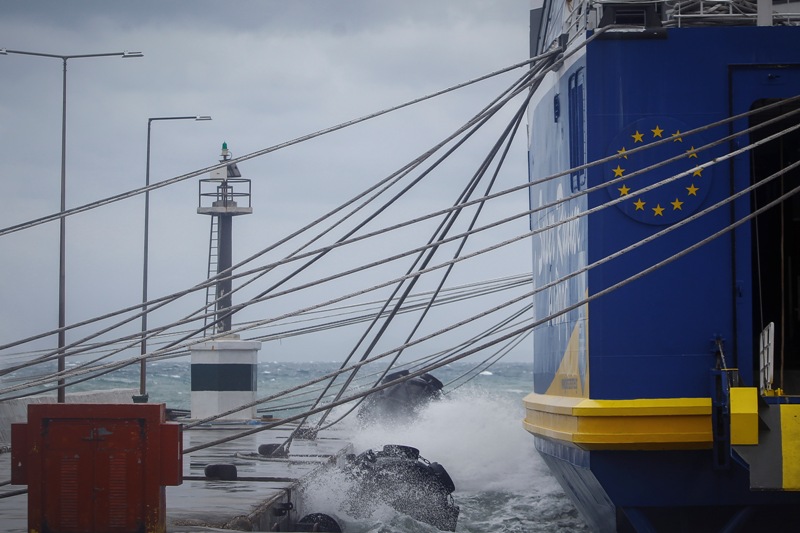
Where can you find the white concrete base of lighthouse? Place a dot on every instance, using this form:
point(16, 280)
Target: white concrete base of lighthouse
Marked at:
point(224, 376)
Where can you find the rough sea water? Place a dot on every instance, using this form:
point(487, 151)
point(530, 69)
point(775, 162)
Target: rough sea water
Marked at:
point(475, 432)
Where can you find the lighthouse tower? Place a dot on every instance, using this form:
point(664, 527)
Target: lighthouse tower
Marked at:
point(224, 370)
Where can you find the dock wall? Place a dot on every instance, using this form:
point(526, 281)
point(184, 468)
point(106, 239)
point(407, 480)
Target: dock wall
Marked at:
point(15, 411)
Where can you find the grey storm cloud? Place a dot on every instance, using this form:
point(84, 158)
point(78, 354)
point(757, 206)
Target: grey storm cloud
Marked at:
point(267, 72)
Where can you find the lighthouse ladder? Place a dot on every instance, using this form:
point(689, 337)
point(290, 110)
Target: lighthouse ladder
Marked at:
point(213, 260)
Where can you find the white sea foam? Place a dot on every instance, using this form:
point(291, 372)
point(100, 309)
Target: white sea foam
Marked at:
point(501, 482)
point(475, 434)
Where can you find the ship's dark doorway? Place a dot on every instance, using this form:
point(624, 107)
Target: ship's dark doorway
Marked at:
point(776, 243)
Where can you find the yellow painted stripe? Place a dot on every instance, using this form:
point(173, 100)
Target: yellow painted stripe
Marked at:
point(649, 423)
point(639, 407)
point(621, 432)
point(790, 442)
point(551, 403)
point(644, 407)
point(744, 415)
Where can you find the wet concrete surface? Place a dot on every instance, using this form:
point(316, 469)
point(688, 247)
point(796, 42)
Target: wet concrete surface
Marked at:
point(262, 498)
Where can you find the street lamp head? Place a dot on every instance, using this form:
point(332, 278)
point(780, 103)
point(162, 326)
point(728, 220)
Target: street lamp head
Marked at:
point(132, 54)
point(202, 117)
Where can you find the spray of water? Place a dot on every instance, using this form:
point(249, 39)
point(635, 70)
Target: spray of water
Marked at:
point(475, 434)
point(501, 483)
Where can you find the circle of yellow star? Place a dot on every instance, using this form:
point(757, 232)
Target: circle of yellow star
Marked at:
point(698, 171)
point(676, 205)
point(639, 205)
point(676, 137)
point(638, 137)
point(622, 153)
point(624, 190)
point(657, 132)
point(618, 171)
point(692, 190)
point(691, 153)
point(658, 211)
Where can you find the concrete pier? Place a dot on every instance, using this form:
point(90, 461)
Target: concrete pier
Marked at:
point(257, 501)
point(14, 411)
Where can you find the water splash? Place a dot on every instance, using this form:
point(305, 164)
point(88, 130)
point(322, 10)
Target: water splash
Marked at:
point(501, 483)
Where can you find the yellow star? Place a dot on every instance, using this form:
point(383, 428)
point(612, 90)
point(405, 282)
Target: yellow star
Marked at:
point(622, 153)
point(624, 190)
point(691, 152)
point(618, 171)
point(639, 205)
point(638, 137)
point(658, 211)
point(676, 205)
point(692, 190)
point(677, 137)
point(657, 132)
point(698, 171)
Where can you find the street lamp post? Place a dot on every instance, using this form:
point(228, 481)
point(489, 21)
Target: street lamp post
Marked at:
point(142, 397)
point(62, 233)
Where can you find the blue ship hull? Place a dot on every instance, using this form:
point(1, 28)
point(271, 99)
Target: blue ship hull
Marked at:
point(646, 402)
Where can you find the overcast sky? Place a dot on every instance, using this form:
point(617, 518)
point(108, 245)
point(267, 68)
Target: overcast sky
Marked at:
point(267, 72)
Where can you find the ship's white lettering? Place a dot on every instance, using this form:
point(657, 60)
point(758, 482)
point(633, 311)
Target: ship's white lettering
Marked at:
point(557, 301)
point(554, 247)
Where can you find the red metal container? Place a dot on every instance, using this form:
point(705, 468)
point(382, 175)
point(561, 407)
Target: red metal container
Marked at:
point(96, 467)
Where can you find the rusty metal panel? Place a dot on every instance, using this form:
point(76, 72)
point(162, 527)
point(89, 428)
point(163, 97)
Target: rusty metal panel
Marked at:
point(67, 484)
point(95, 474)
point(119, 498)
point(98, 468)
point(171, 454)
point(19, 454)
